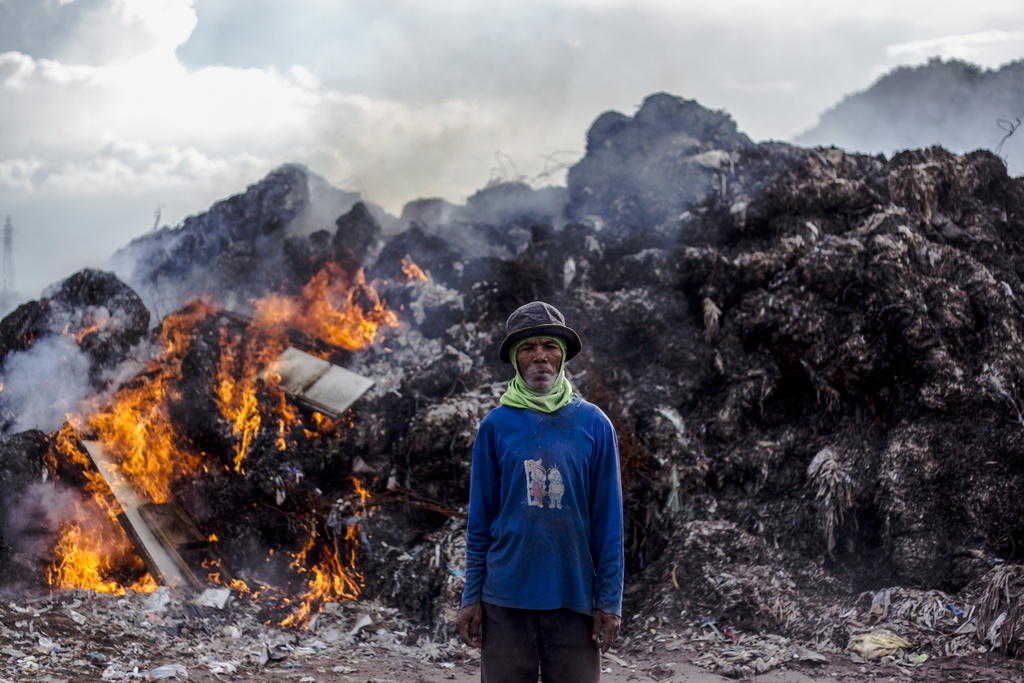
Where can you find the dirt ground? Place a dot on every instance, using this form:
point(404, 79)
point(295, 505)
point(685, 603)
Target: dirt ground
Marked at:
point(79, 637)
point(366, 666)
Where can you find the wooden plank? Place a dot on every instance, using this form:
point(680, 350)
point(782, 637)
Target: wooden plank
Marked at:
point(159, 562)
point(178, 535)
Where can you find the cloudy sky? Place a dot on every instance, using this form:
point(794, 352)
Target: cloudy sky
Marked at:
point(113, 109)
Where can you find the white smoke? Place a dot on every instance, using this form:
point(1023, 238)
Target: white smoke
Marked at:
point(954, 103)
point(43, 506)
point(31, 522)
point(44, 383)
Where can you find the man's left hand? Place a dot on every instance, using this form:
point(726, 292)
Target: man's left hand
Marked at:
point(606, 629)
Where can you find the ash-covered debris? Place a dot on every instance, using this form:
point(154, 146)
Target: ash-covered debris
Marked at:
point(813, 360)
point(868, 331)
point(642, 171)
point(78, 635)
point(716, 571)
point(494, 221)
point(264, 240)
point(100, 313)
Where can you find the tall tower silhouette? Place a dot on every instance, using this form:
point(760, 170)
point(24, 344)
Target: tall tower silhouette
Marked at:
point(8, 262)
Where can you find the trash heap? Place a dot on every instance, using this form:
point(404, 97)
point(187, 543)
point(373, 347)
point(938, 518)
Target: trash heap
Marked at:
point(813, 360)
point(78, 635)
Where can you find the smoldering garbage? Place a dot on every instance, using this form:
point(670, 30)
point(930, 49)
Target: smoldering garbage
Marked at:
point(813, 360)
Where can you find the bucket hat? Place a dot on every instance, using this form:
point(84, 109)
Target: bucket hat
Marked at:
point(537, 319)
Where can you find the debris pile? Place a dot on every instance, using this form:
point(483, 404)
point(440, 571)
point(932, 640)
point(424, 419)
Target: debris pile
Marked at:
point(164, 635)
point(813, 360)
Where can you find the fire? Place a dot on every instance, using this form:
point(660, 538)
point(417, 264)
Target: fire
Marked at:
point(135, 428)
point(147, 584)
point(288, 416)
point(213, 569)
point(82, 562)
point(413, 272)
point(323, 423)
point(89, 550)
point(237, 376)
point(330, 580)
point(359, 490)
point(341, 313)
point(67, 445)
point(86, 326)
point(333, 578)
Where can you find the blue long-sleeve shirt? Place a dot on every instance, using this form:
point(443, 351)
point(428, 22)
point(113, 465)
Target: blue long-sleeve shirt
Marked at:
point(545, 511)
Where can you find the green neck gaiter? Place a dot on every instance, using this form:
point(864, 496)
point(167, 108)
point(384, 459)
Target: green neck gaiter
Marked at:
point(518, 395)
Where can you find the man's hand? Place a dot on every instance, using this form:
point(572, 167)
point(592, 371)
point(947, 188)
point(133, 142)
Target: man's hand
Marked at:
point(606, 629)
point(468, 622)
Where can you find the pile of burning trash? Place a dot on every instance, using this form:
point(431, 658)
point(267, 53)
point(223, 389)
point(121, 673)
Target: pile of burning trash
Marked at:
point(813, 360)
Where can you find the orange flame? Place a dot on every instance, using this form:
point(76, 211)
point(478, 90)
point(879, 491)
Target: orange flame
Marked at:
point(329, 580)
point(413, 272)
point(87, 326)
point(147, 584)
point(82, 563)
point(359, 490)
point(135, 429)
point(89, 550)
point(341, 313)
point(332, 579)
point(237, 374)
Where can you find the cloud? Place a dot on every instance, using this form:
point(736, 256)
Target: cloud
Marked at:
point(94, 31)
point(90, 150)
point(144, 125)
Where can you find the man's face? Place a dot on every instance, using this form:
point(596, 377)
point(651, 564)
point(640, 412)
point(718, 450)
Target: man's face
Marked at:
point(538, 361)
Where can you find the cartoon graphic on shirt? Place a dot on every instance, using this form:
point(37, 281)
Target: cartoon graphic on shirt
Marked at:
point(555, 488)
point(536, 485)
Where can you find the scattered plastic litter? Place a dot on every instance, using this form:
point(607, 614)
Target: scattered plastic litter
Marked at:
point(878, 644)
point(168, 671)
point(197, 641)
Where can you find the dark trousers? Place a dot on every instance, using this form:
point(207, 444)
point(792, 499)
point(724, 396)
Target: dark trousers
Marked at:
point(519, 641)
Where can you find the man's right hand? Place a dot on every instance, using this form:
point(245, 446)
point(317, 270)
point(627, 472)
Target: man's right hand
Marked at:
point(469, 623)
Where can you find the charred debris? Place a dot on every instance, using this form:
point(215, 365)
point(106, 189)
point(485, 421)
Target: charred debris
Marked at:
point(813, 358)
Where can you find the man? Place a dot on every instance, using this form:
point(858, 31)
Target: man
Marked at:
point(544, 555)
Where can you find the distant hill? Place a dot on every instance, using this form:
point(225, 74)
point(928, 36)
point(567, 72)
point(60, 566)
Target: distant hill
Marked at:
point(951, 103)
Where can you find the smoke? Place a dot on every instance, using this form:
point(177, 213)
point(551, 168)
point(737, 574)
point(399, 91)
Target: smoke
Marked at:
point(41, 508)
point(32, 521)
point(44, 383)
point(953, 103)
point(240, 247)
point(322, 206)
point(199, 99)
point(465, 226)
